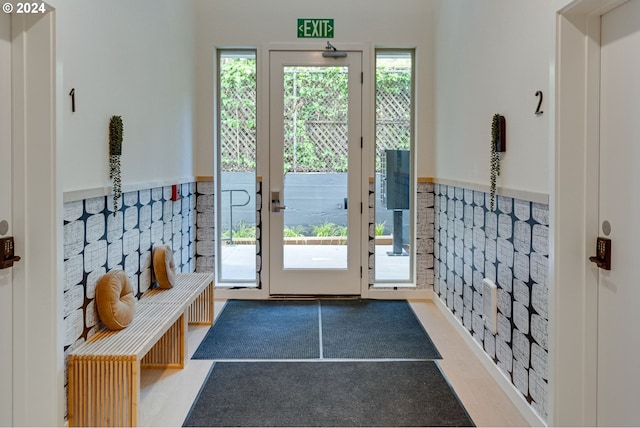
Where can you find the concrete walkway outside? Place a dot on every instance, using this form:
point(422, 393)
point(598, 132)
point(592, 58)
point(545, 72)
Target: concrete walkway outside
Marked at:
point(239, 261)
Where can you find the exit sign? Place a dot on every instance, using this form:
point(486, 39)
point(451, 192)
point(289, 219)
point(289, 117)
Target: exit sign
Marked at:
point(315, 28)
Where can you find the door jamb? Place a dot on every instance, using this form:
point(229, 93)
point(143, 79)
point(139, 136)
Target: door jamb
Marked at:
point(368, 154)
point(37, 224)
point(573, 299)
point(367, 131)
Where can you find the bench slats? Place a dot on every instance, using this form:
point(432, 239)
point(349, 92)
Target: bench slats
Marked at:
point(155, 312)
point(149, 324)
point(171, 350)
point(186, 287)
point(200, 311)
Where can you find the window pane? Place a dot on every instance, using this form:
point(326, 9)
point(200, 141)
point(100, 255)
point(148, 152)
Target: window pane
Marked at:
point(236, 162)
point(315, 163)
point(393, 165)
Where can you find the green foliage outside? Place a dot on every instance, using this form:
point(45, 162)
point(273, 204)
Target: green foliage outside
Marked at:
point(293, 232)
point(237, 111)
point(327, 229)
point(315, 114)
point(314, 95)
point(241, 231)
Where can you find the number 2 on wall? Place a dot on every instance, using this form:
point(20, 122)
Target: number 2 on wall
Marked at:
point(538, 111)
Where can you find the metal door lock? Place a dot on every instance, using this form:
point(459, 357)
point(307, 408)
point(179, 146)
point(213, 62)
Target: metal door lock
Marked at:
point(603, 253)
point(275, 203)
point(7, 257)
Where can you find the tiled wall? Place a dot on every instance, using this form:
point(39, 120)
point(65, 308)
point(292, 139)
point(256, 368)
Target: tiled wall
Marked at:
point(205, 223)
point(97, 241)
point(425, 218)
point(458, 243)
point(510, 246)
point(205, 227)
point(259, 240)
point(425, 226)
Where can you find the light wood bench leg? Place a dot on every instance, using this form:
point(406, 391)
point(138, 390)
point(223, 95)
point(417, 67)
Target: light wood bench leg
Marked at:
point(103, 391)
point(170, 350)
point(201, 310)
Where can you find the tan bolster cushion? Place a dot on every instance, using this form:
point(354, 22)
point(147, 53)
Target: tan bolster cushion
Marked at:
point(115, 300)
point(163, 266)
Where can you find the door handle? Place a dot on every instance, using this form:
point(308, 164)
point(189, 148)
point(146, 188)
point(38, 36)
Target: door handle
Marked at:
point(603, 253)
point(275, 203)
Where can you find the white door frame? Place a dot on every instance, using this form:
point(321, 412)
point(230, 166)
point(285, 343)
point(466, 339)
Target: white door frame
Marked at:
point(6, 275)
point(574, 204)
point(335, 281)
point(368, 157)
point(263, 170)
point(618, 292)
point(37, 225)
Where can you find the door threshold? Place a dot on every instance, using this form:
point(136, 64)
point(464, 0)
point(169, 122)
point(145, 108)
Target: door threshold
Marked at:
point(314, 297)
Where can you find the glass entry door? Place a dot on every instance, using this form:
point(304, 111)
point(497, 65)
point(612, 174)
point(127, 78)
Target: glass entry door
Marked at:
point(315, 181)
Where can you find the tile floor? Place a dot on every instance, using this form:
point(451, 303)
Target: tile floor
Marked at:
point(167, 395)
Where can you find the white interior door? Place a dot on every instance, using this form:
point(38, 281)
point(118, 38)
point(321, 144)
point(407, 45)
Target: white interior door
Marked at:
point(315, 180)
point(619, 288)
point(6, 285)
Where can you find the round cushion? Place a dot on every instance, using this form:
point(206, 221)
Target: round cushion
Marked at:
point(163, 266)
point(115, 300)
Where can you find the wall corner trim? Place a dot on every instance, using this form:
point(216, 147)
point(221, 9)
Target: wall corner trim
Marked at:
point(525, 195)
point(95, 192)
point(426, 180)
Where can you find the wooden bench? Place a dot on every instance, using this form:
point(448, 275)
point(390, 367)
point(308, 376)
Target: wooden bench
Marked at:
point(104, 372)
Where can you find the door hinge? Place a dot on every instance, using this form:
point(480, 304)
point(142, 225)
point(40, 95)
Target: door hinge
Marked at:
point(360, 271)
point(361, 208)
point(362, 77)
point(361, 142)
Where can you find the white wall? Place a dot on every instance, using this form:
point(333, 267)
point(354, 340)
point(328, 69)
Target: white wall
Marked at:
point(250, 23)
point(491, 57)
point(134, 59)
